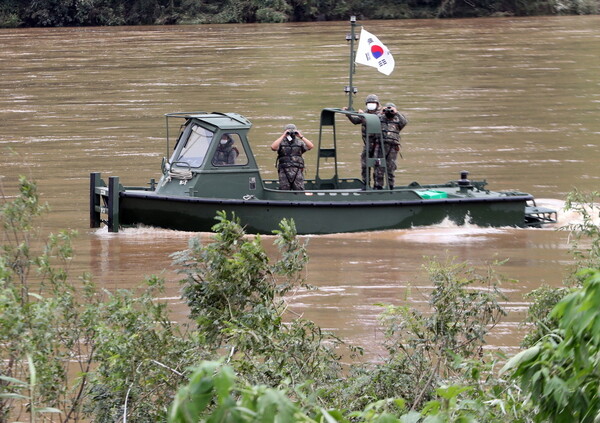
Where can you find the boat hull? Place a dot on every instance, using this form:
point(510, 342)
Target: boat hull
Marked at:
point(313, 217)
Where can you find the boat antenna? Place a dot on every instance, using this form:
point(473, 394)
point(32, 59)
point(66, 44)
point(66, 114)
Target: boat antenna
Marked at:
point(351, 37)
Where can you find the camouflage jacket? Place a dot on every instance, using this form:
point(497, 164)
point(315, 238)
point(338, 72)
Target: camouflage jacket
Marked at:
point(290, 153)
point(359, 119)
point(390, 128)
point(225, 155)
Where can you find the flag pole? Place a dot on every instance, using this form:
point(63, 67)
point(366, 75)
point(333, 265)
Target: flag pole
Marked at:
point(350, 89)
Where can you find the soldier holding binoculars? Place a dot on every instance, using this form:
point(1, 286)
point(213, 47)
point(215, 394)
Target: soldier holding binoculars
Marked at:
point(392, 122)
point(290, 147)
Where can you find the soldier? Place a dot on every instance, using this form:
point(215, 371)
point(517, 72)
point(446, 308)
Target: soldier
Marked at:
point(373, 106)
point(290, 147)
point(392, 123)
point(226, 152)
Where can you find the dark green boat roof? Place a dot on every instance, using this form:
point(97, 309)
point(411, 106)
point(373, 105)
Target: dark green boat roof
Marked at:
point(226, 121)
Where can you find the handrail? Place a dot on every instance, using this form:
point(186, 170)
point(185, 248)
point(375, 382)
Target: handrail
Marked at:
point(373, 128)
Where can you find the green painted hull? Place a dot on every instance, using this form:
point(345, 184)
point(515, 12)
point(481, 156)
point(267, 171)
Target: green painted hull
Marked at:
point(197, 214)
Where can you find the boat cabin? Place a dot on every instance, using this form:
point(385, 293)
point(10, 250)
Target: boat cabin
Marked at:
point(211, 148)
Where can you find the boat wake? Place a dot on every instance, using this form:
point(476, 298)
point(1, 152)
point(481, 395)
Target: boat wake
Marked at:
point(571, 217)
point(144, 232)
point(448, 232)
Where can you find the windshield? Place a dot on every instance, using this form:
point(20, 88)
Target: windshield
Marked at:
point(195, 146)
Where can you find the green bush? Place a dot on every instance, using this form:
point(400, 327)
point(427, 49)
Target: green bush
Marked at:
point(127, 355)
point(560, 372)
point(269, 15)
point(160, 12)
point(130, 358)
point(585, 247)
point(9, 19)
point(87, 352)
point(236, 296)
point(423, 346)
point(215, 394)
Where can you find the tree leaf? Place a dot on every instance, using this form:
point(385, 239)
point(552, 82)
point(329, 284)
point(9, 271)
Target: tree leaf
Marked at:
point(328, 417)
point(13, 381)
point(522, 357)
point(13, 395)
point(452, 391)
point(411, 417)
point(48, 410)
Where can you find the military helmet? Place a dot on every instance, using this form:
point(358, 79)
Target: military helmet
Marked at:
point(372, 98)
point(291, 127)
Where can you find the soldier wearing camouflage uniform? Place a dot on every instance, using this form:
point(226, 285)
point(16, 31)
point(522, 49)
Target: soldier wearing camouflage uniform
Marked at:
point(290, 147)
point(392, 122)
point(373, 107)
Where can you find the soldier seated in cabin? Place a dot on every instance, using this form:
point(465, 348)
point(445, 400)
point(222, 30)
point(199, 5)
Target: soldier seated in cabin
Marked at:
point(226, 152)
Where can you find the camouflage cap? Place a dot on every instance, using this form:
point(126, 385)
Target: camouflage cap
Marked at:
point(390, 105)
point(290, 127)
point(372, 98)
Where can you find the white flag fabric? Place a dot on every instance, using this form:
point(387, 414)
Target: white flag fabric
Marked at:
point(372, 52)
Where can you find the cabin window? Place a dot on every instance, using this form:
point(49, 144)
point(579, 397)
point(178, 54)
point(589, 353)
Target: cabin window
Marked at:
point(195, 147)
point(229, 151)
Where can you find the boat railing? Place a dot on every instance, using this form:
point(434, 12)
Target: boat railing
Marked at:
point(537, 217)
point(104, 200)
point(372, 129)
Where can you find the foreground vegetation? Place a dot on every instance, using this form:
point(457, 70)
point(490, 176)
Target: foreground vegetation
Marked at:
point(51, 13)
point(71, 351)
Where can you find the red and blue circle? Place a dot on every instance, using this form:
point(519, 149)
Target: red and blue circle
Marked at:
point(376, 51)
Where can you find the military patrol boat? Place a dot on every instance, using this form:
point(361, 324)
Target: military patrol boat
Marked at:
point(197, 182)
point(212, 169)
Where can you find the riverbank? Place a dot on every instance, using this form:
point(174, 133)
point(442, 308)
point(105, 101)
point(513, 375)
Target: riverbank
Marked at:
point(61, 13)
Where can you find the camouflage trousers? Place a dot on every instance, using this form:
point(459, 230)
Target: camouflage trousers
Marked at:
point(291, 178)
point(390, 154)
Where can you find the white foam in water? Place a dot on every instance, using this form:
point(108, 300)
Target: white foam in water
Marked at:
point(448, 232)
point(142, 231)
point(571, 217)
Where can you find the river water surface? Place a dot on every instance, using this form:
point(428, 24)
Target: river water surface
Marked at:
point(513, 101)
